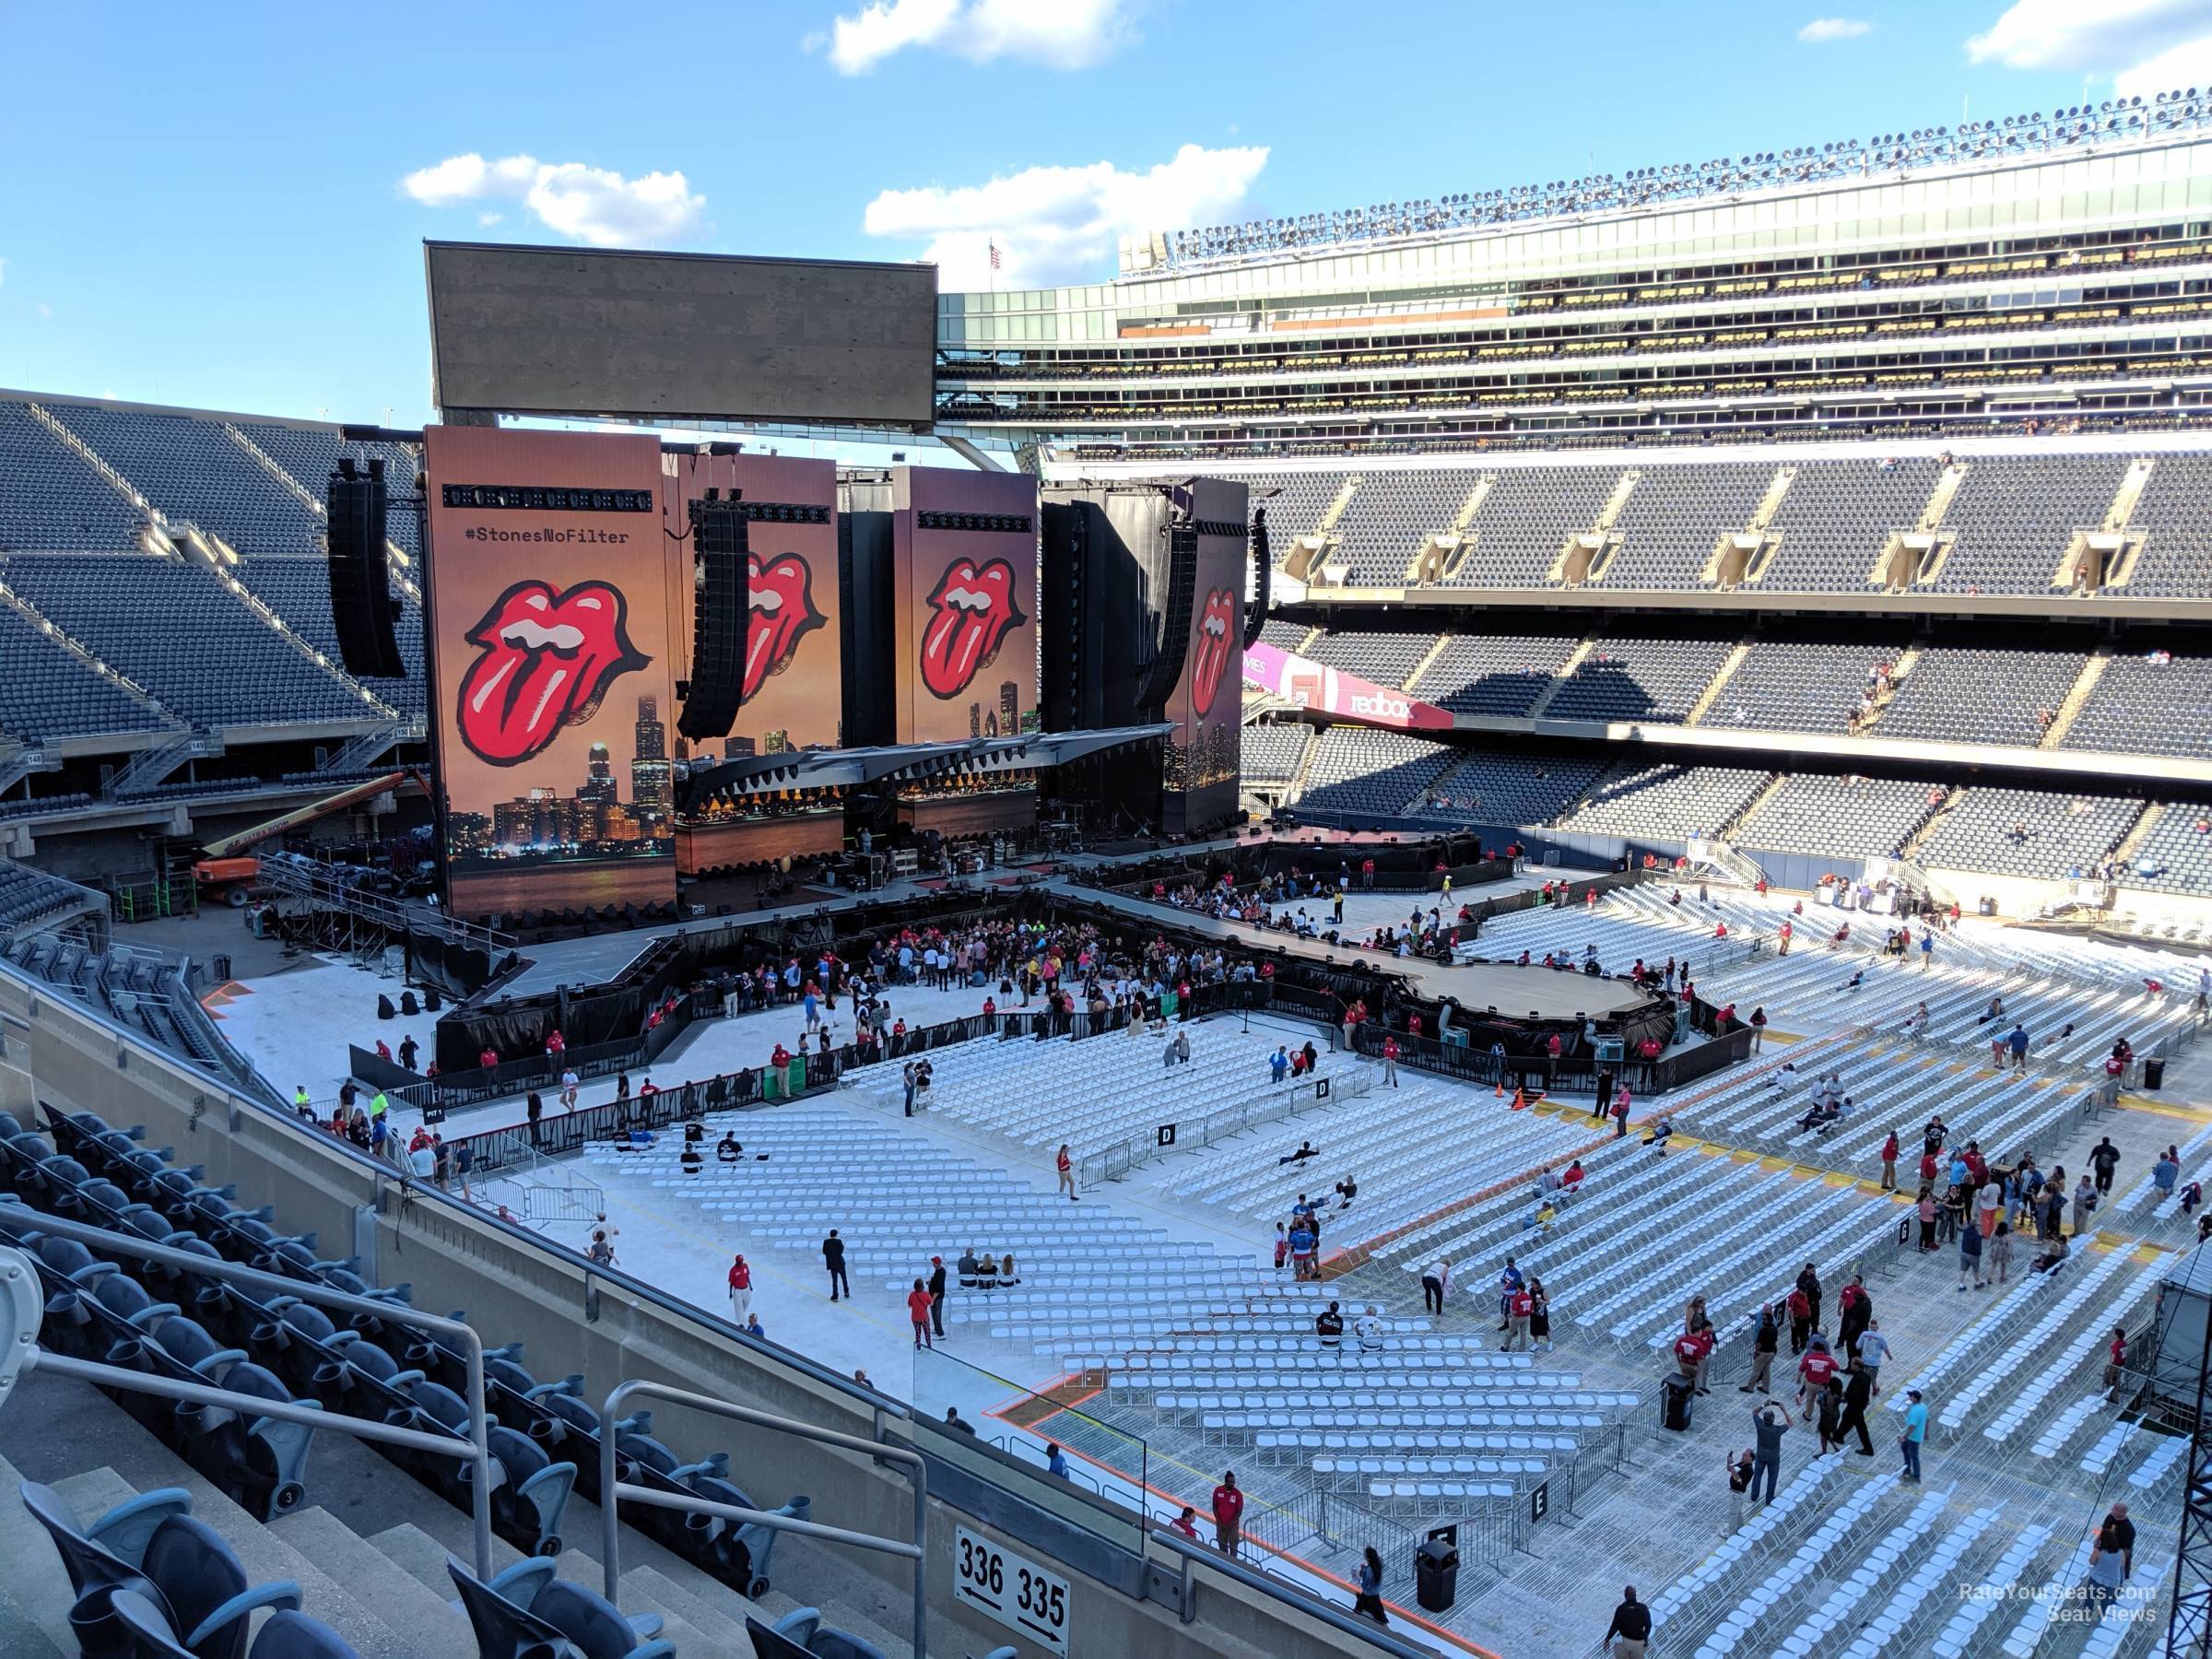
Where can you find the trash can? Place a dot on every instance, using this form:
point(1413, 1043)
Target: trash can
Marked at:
point(2154, 1073)
point(1675, 1395)
point(219, 966)
point(1435, 1576)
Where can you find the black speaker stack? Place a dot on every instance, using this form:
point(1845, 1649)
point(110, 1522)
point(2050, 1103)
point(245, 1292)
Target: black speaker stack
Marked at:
point(719, 544)
point(1176, 617)
point(362, 607)
point(1255, 614)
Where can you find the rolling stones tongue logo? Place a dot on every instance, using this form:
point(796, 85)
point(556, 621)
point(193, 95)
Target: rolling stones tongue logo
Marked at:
point(779, 614)
point(1210, 647)
point(548, 659)
point(975, 608)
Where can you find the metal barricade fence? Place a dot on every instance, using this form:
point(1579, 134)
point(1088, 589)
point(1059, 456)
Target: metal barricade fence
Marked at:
point(1113, 1161)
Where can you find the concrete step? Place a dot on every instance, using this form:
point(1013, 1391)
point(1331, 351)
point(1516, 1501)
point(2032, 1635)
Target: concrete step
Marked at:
point(421, 1617)
point(36, 1580)
point(84, 1424)
point(721, 1625)
point(888, 1621)
point(25, 1634)
point(422, 1557)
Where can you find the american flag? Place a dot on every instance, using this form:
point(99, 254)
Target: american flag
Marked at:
point(994, 259)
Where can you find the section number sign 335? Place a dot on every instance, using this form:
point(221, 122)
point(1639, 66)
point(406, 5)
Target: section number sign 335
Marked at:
point(1018, 1594)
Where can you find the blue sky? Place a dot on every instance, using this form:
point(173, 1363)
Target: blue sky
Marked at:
point(223, 205)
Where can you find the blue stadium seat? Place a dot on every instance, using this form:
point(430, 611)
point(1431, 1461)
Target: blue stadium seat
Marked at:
point(525, 1613)
point(801, 1632)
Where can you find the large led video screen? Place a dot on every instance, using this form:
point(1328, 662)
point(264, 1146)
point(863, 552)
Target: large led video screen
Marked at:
point(680, 336)
point(794, 690)
point(964, 558)
point(552, 684)
point(1204, 753)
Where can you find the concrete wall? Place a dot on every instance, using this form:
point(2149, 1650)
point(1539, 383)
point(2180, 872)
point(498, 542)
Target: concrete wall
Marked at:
point(513, 1288)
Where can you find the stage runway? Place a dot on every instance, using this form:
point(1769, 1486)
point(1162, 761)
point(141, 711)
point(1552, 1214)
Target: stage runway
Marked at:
point(1515, 992)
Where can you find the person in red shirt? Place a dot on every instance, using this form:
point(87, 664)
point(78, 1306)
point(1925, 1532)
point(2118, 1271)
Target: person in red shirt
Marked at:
point(1186, 1523)
point(489, 1058)
point(1228, 1510)
point(557, 1044)
point(741, 1291)
point(990, 1006)
point(1889, 1163)
point(1065, 1163)
point(1520, 1306)
point(1801, 1319)
point(917, 1309)
point(780, 1058)
point(1927, 1168)
point(1390, 1061)
point(1817, 1365)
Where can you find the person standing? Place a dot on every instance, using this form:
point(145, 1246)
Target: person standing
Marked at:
point(1858, 1394)
point(1367, 1576)
point(1916, 1432)
point(1065, 1163)
point(1874, 1352)
point(1808, 1281)
point(1390, 1060)
point(1801, 1319)
point(1969, 1258)
point(1854, 1309)
point(2000, 1252)
point(1519, 1307)
point(833, 1258)
point(568, 1087)
point(1629, 1634)
point(1765, 1340)
point(741, 1291)
point(2085, 1201)
point(1435, 1285)
point(1769, 1422)
point(1054, 1463)
point(2108, 1568)
point(1509, 1281)
point(1228, 1510)
point(1889, 1163)
point(534, 1109)
point(2115, 1364)
point(1539, 1317)
point(937, 1294)
point(917, 1310)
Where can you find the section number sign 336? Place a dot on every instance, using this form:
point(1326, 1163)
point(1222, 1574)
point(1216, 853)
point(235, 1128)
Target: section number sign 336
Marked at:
point(1021, 1595)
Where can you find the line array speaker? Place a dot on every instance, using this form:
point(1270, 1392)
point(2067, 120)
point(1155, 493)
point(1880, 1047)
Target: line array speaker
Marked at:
point(1175, 619)
point(1255, 617)
point(362, 609)
point(719, 595)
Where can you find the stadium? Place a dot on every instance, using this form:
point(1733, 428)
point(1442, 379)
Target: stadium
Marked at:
point(1635, 754)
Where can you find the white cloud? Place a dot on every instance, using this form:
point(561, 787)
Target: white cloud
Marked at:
point(489, 220)
point(1834, 28)
point(45, 310)
point(2105, 38)
point(589, 204)
point(1061, 224)
point(2187, 65)
point(1060, 34)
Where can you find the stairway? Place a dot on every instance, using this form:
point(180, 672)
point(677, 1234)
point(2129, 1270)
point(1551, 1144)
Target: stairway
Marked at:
point(1919, 838)
point(1565, 672)
point(1897, 670)
point(2138, 833)
point(1297, 775)
point(1767, 792)
point(1706, 697)
point(1436, 649)
point(369, 1548)
point(2061, 722)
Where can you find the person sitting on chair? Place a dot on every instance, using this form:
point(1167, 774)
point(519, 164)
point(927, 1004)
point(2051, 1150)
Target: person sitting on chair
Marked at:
point(729, 1149)
point(970, 1268)
point(1660, 1131)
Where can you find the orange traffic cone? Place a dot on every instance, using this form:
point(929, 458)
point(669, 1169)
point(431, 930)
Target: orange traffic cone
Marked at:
point(1519, 1099)
point(1500, 1089)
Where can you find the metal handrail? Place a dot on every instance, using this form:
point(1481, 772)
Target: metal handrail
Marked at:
point(479, 1438)
point(612, 1490)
